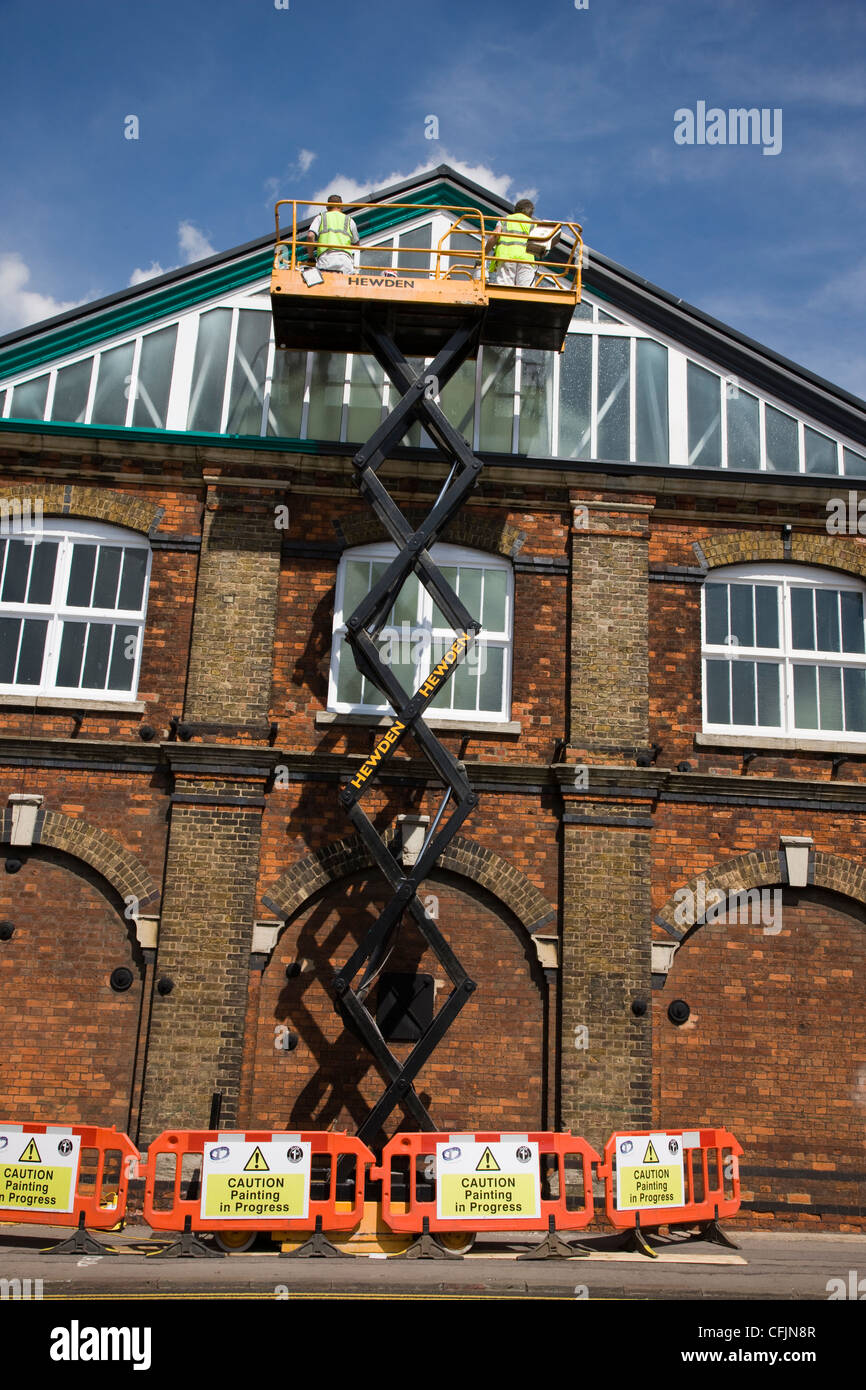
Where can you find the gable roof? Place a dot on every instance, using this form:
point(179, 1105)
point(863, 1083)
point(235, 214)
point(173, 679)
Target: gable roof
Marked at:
point(228, 271)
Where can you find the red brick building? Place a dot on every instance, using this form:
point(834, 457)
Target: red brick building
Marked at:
point(671, 710)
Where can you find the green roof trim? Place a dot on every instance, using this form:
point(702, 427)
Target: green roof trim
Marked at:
point(162, 437)
point(139, 310)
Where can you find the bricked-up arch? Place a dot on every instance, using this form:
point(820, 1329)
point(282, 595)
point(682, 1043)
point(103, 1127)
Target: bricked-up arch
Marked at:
point(764, 868)
point(118, 866)
point(746, 547)
point(463, 856)
point(477, 533)
point(97, 504)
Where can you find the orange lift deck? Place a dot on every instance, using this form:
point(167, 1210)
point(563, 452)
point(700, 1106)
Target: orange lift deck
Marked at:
point(420, 309)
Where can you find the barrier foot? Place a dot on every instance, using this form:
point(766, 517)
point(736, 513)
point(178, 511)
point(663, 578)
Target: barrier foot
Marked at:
point(186, 1244)
point(426, 1248)
point(712, 1231)
point(636, 1241)
point(553, 1247)
point(81, 1243)
point(317, 1246)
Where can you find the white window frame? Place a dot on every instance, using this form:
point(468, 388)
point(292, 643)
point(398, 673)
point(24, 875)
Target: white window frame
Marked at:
point(69, 533)
point(783, 578)
point(442, 555)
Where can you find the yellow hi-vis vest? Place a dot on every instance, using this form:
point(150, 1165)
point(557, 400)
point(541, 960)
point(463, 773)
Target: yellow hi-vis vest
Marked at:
point(511, 243)
point(334, 230)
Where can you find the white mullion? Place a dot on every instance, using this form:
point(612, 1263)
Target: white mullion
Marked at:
point(476, 406)
point(632, 399)
point(593, 400)
point(49, 395)
point(91, 394)
point(230, 370)
point(678, 431)
point(723, 439)
point(762, 436)
point(344, 407)
point(177, 410)
point(801, 445)
point(554, 407)
point(515, 400)
point(266, 385)
point(305, 408)
point(132, 391)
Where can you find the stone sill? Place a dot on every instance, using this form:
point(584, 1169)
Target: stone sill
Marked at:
point(86, 705)
point(325, 719)
point(780, 744)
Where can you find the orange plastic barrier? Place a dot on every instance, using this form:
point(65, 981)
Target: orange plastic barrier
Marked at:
point(56, 1175)
point(498, 1178)
point(266, 1174)
point(710, 1178)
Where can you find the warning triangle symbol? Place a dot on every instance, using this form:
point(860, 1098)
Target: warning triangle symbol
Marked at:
point(256, 1163)
point(651, 1156)
point(487, 1163)
point(30, 1154)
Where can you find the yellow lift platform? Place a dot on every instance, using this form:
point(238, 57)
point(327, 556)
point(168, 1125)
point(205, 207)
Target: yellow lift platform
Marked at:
point(421, 309)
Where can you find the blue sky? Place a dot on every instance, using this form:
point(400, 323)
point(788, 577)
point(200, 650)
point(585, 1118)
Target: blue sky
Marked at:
point(237, 99)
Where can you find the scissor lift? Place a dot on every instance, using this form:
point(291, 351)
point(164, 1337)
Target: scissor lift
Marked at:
point(445, 313)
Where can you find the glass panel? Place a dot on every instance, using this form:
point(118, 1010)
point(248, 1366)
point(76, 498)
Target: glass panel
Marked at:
point(469, 589)
point(852, 621)
point(716, 603)
point(743, 692)
point(71, 391)
point(820, 453)
point(705, 419)
point(575, 394)
point(805, 697)
point(802, 620)
point(583, 313)
point(855, 464)
point(768, 694)
point(326, 395)
point(461, 241)
point(536, 402)
point(458, 401)
point(96, 656)
point(28, 399)
point(377, 257)
point(405, 608)
point(855, 700)
point(742, 620)
point(348, 679)
point(365, 397)
point(154, 378)
point(107, 575)
point(605, 317)
point(717, 679)
point(81, 576)
point(827, 614)
point(420, 237)
point(497, 399)
point(209, 371)
point(287, 394)
point(449, 574)
point(766, 616)
point(248, 374)
point(71, 652)
point(465, 682)
point(10, 631)
point(123, 656)
point(744, 436)
point(651, 402)
point(32, 651)
point(356, 585)
point(495, 594)
point(490, 690)
point(830, 687)
point(782, 450)
point(613, 398)
point(132, 583)
point(41, 588)
point(112, 386)
point(17, 568)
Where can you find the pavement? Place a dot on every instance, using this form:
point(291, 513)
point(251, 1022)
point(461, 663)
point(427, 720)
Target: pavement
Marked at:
point(766, 1266)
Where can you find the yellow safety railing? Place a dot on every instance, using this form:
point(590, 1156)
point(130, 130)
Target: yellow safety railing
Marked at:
point(550, 273)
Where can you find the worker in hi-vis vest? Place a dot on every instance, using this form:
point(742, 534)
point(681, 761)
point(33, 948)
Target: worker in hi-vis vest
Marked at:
point(512, 250)
point(335, 232)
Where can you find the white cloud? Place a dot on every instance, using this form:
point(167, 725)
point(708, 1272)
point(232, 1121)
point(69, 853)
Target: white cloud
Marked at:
point(192, 244)
point(305, 159)
point(277, 187)
point(19, 305)
point(355, 192)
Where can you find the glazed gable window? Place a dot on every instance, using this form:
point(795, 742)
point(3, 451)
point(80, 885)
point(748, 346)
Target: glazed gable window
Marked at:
point(784, 652)
point(73, 597)
point(417, 634)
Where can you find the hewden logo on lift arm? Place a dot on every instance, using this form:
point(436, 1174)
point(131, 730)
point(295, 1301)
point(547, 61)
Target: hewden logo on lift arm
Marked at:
point(386, 744)
point(385, 282)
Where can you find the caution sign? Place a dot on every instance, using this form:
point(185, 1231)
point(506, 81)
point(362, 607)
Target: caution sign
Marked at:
point(243, 1180)
point(486, 1182)
point(649, 1171)
point(38, 1172)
